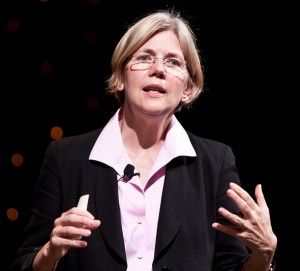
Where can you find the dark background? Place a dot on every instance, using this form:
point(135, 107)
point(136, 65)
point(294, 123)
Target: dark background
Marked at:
point(247, 49)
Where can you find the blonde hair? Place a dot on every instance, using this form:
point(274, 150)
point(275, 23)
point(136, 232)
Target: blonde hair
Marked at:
point(139, 33)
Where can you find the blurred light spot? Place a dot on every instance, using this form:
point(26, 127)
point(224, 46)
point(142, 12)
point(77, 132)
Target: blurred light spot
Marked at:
point(56, 132)
point(90, 37)
point(93, 2)
point(12, 214)
point(13, 26)
point(44, 1)
point(92, 103)
point(46, 68)
point(17, 159)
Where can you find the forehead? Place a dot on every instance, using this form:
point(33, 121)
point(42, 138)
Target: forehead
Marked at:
point(164, 42)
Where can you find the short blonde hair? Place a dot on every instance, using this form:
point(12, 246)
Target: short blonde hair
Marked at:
point(139, 33)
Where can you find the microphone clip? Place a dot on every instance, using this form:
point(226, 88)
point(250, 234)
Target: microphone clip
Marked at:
point(128, 173)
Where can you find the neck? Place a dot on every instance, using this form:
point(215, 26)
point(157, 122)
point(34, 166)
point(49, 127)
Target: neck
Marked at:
point(145, 132)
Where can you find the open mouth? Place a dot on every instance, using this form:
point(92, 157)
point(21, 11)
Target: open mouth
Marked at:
point(154, 89)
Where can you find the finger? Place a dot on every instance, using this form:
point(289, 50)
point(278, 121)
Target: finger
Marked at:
point(96, 224)
point(240, 191)
point(66, 243)
point(260, 198)
point(76, 220)
point(70, 232)
point(239, 202)
point(241, 197)
point(233, 218)
point(78, 211)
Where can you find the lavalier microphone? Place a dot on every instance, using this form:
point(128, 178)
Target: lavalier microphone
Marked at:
point(128, 173)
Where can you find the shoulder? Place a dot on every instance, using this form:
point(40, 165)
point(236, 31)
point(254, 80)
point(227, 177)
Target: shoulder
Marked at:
point(87, 137)
point(206, 147)
point(82, 143)
point(203, 142)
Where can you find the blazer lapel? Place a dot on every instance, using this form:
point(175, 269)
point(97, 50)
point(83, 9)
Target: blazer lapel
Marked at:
point(108, 211)
point(172, 205)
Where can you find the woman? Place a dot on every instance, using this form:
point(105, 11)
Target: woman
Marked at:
point(160, 198)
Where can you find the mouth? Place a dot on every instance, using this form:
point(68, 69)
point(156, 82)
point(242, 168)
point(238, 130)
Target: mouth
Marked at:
point(154, 89)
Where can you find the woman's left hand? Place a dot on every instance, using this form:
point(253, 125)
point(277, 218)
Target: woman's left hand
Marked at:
point(254, 228)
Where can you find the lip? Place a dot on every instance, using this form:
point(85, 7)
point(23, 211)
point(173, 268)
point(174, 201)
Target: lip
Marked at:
point(154, 87)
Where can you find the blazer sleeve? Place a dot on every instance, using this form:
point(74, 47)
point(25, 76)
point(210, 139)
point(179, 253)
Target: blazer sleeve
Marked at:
point(217, 166)
point(46, 208)
point(229, 251)
point(60, 184)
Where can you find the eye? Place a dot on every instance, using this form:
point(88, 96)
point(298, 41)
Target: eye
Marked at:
point(144, 58)
point(173, 62)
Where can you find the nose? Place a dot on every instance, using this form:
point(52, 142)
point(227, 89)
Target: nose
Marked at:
point(159, 58)
point(158, 68)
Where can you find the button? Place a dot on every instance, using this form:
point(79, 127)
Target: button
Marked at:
point(139, 221)
point(140, 257)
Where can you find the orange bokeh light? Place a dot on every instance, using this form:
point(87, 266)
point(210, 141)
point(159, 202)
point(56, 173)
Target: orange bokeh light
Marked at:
point(17, 159)
point(12, 214)
point(56, 132)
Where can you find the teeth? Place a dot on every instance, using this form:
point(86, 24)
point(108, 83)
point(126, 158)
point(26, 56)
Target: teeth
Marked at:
point(155, 90)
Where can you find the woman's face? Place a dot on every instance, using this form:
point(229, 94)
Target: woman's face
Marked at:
point(156, 89)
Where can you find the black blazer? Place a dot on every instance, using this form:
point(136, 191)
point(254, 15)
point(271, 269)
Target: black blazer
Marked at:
point(194, 189)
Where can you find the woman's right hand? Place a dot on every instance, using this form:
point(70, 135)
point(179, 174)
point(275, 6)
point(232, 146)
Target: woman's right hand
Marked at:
point(67, 232)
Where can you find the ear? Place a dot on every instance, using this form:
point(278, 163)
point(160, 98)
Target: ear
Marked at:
point(186, 94)
point(121, 87)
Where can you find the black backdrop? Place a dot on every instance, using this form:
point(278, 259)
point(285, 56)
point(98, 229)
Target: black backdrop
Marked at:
point(247, 49)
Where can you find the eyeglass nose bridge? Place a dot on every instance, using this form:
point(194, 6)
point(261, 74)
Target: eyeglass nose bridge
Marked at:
point(159, 58)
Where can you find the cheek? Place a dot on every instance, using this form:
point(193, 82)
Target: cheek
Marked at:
point(131, 84)
point(130, 78)
point(180, 85)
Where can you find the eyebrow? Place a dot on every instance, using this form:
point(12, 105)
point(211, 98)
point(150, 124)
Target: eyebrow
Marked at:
point(152, 52)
